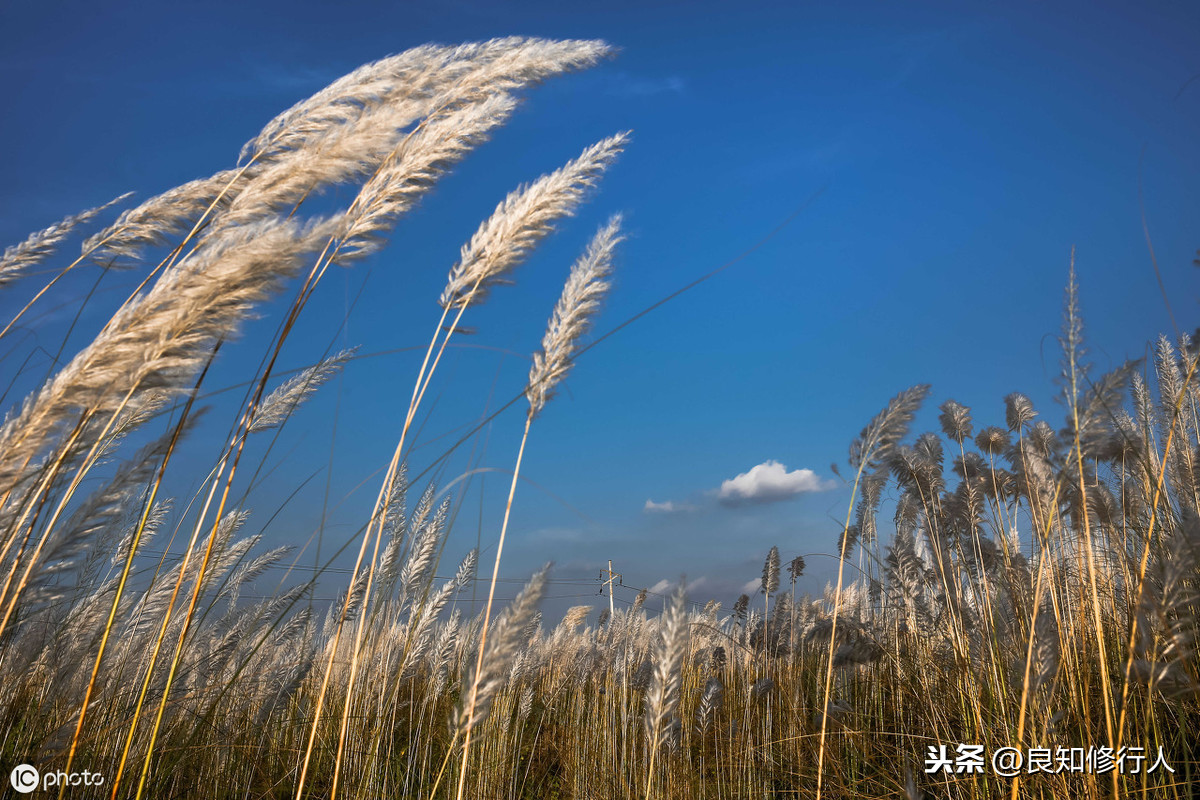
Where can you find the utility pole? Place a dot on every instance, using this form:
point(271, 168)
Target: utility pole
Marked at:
point(611, 577)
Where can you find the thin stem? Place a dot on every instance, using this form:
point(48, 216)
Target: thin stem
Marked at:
point(487, 613)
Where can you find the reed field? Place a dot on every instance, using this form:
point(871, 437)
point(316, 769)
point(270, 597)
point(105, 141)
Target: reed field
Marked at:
point(1027, 582)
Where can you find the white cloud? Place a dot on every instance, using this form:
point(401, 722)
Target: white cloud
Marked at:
point(667, 587)
point(666, 507)
point(752, 586)
point(770, 482)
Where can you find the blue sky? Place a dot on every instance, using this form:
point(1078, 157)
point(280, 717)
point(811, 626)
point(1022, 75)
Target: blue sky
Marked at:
point(950, 156)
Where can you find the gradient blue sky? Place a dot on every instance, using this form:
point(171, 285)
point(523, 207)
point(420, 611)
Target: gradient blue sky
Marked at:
point(960, 152)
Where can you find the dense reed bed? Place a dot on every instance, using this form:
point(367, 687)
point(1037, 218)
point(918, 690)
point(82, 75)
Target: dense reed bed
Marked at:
point(1010, 585)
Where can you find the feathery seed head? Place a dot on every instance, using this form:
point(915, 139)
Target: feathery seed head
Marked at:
point(1018, 411)
point(510, 632)
point(39, 246)
point(638, 601)
point(796, 568)
point(770, 575)
point(710, 703)
point(426, 77)
point(992, 440)
point(761, 688)
point(522, 220)
point(279, 405)
point(928, 448)
point(1043, 439)
point(858, 650)
point(847, 540)
point(466, 570)
point(739, 607)
point(956, 421)
point(970, 466)
point(415, 164)
point(872, 486)
point(575, 616)
point(580, 300)
point(662, 697)
point(154, 221)
point(159, 340)
point(879, 438)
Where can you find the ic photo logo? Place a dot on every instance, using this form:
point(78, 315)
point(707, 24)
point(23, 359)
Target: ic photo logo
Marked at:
point(24, 778)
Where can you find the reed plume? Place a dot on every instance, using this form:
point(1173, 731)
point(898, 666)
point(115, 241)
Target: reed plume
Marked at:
point(875, 445)
point(770, 573)
point(523, 219)
point(288, 396)
point(572, 317)
point(580, 300)
point(420, 74)
point(509, 634)
point(41, 245)
point(662, 698)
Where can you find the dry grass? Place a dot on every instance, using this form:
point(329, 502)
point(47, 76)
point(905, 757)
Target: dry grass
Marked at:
point(1040, 588)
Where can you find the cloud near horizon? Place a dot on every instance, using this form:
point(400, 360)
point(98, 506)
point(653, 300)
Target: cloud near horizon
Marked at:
point(752, 586)
point(667, 586)
point(770, 482)
point(666, 507)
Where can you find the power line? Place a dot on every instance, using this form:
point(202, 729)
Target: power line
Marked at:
point(348, 570)
point(339, 599)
